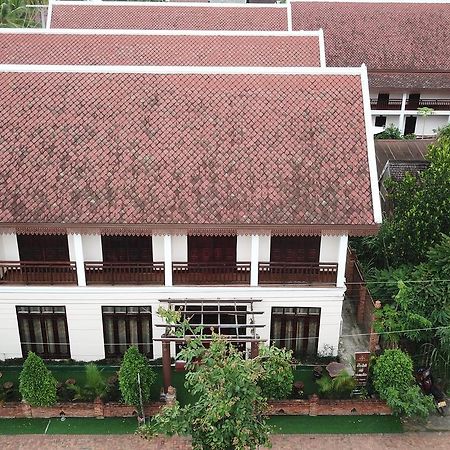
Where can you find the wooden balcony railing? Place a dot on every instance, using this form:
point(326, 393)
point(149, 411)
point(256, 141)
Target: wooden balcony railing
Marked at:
point(124, 273)
point(293, 273)
point(386, 104)
point(31, 272)
point(211, 273)
point(440, 104)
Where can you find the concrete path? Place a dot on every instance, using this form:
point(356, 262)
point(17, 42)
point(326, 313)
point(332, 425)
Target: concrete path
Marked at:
point(405, 441)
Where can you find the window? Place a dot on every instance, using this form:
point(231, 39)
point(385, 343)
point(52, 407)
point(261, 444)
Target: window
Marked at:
point(43, 330)
point(223, 319)
point(299, 249)
point(43, 248)
point(296, 329)
point(124, 326)
point(212, 249)
point(380, 121)
point(127, 249)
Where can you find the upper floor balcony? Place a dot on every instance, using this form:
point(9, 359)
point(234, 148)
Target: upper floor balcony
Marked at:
point(411, 104)
point(192, 261)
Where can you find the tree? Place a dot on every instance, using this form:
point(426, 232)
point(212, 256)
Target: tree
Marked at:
point(394, 382)
point(37, 385)
point(421, 212)
point(229, 408)
point(135, 378)
point(16, 14)
point(278, 377)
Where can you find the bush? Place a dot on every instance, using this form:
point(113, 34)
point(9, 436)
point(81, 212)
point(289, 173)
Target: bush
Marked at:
point(36, 383)
point(336, 388)
point(390, 132)
point(95, 386)
point(278, 378)
point(134, 363)
point(394, 382)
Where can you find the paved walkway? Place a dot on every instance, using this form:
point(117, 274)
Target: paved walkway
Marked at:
point(405, 441)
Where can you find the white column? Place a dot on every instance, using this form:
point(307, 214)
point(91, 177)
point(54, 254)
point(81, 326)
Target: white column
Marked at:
point(342, 259)
point(168, 260)
point(401, 118)
point(448, 119)
point(76, 254)
point(254, 260)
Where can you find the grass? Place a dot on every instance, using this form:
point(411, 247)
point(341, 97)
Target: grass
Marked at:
point(335, 424)
point(281, 424)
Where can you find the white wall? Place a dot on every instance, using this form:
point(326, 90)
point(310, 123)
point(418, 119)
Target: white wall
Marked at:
point(244, 248)
point(83, 309)
point(329, 249)
point(179, 248)
point(432, 123)
point(264, 248)
point(9, 250)
point(92, 247)
point(158, 248)
point(9, 331)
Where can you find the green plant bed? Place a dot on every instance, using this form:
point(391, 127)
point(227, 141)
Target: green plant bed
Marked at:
point(335, 424)
point(305, 374)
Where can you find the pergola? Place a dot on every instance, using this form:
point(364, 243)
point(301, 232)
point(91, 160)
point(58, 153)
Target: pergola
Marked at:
point(191, 307)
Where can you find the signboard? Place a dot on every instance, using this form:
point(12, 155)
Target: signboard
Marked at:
point(362, 367)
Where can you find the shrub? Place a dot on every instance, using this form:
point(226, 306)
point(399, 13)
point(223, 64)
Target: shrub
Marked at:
point(336, 388)
point(95, 386)
point(390, 132)
point(278, 378)
point(134, 363)
point(36, 383)
point(394, 382)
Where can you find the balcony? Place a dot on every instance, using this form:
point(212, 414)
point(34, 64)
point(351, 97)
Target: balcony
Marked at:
point(411, 105)
point(210, 273)
point(37, 273)
point(394, 104)
point(183, 273)
point(124, 273)
point(436, 104)
point(297, 273)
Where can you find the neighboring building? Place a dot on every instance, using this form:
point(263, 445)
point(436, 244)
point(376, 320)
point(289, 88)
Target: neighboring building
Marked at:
point(405, 45)
point(189, 48)
point(167, 16)
point(396, 157)
point(216, 189)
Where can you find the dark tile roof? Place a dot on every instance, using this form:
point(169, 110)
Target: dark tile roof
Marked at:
point(183, 149)
point(163, 50)
point(396, 37)
point(398, 169)
point(402, 150)
point(168, 17)
point(420, 81)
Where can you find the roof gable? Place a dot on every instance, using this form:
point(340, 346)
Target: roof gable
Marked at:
point(206, 148)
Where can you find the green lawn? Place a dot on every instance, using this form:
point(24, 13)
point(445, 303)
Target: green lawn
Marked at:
point(282, 425)
point(335, 424)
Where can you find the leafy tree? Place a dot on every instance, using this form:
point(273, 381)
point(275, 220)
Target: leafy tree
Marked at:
point(36, 383)
point(135, 363)
point(278, 377)
point(229, 410)
point(421, 212)
point(394, 382)
point(15, 14)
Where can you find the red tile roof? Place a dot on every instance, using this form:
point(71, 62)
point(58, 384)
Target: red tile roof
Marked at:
point(161, 50)
point(405, 38)
point(122, 148)
point(169, 17)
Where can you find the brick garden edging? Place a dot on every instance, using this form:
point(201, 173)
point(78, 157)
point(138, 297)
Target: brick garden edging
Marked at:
point(320, 407)
point(95, 409)
point(312, 407)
